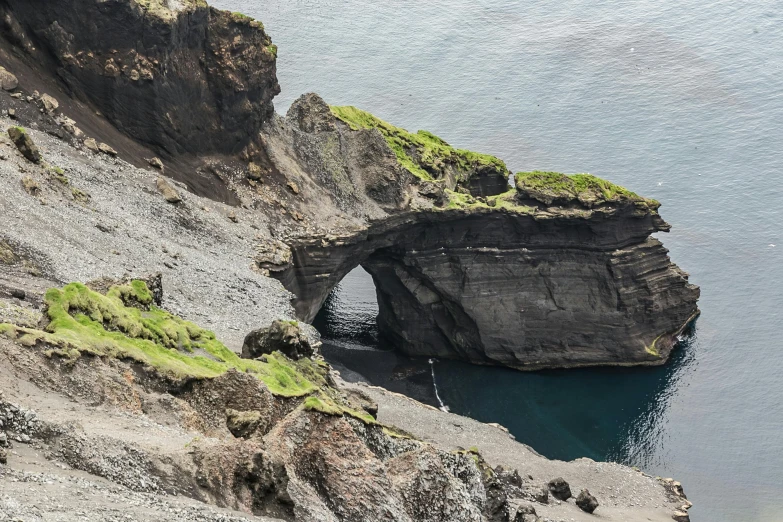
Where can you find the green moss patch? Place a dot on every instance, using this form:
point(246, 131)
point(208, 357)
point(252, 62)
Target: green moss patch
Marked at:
point(125, 324)
point(424, 154)
point(589, 190)
point(506, 201)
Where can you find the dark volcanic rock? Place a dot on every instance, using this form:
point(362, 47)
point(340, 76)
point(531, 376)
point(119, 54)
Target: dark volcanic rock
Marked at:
point(551, 288)
point(586, 501)
point(25, 144)
point(184, 79)
point(560, 489)
point(282, 336)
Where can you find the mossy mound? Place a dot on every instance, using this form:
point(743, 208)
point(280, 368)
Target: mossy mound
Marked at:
point(425, 155)
point(588, 190)
point(125, 324)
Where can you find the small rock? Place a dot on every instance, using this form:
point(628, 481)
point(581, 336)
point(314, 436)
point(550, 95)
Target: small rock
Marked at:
point(16, 95)
point(168, 191)
point(559, 489)
point(8, 81)
point(294, 187)
point(25, 144)
point(681, 516)
point(156, 163)
point(49, 103)
point(12, 114)
point(254, 172)
point(526, 513)
point(233, 216)
point(3, 456)
point(106, 149)
point(70, 127)
point(91, 144)
point(586, 501)
point(31, 186)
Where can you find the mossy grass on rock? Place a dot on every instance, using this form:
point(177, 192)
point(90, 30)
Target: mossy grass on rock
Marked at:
point(424, 154)
point(25, 144)
point(125, 324)
point(563, 189)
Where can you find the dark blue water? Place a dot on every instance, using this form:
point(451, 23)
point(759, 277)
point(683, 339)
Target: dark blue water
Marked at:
point(678, 100)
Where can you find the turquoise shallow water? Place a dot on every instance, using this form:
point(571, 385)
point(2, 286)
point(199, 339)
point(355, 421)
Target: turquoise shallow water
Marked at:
point(678, 100)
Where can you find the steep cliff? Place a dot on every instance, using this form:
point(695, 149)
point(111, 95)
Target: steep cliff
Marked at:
point(178, 76)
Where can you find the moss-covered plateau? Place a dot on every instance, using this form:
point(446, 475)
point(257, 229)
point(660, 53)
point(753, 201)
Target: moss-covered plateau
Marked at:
point(423, 154)
point(426, 156)
point(589, 190)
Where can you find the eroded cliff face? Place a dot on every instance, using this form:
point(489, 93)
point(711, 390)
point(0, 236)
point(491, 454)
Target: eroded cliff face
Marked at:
point(178, 76)
point(540, 290)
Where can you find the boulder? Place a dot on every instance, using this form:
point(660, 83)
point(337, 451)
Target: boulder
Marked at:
point(559, 489)
point(168, 191)
point(155, 163)
point(102, 147)
point(282, 336)
point(49, 104)
point(91, 144)
point(8, 82)
point(586, 501)
point(25, 144)
point(526, 513)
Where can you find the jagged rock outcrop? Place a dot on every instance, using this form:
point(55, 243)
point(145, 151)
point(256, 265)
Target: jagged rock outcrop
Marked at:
point(177, 76)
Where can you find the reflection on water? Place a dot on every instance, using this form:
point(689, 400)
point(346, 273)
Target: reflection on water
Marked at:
point(616, 414)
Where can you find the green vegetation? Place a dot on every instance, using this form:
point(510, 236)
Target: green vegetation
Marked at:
point(585, 188)
point(506, 201)
point(272, 48)
point(242, 16)
point(124, 324)
point(59, 175)
point(80, 196)
point(423, 154)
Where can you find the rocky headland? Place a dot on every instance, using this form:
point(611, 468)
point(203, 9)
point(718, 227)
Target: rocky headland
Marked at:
point(139, 137)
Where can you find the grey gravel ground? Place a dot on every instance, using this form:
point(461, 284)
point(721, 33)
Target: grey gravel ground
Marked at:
point(127, 228)
point(624, 494)
point(39, 490)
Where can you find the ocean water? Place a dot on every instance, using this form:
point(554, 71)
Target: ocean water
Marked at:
point(678, 100)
